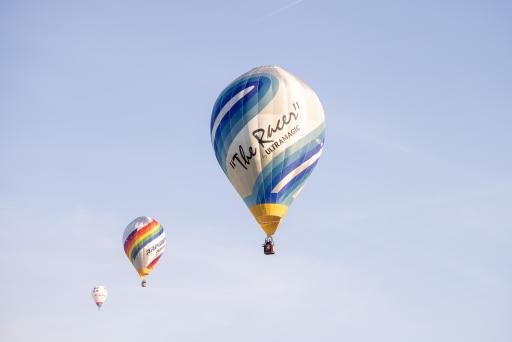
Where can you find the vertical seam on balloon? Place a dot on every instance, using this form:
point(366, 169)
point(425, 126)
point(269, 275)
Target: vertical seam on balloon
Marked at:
point(286, 89)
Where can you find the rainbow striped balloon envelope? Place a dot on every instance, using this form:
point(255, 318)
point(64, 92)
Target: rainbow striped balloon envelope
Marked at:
point(267, 130)
point(144, 243)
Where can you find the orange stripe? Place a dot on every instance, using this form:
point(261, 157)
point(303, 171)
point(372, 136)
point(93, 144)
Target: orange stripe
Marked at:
point(153, 263)
point(133, 238)
point(141, 240)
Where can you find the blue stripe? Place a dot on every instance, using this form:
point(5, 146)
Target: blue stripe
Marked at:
point(137, 250)
point(232, 92)
point(238, 116)
point(265, 88)
point(292, 166)
point(285, 195)
point(291, 154)
point(289, 189)
point(287, 160)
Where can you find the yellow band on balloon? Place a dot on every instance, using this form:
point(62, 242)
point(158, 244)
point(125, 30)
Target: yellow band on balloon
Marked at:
point(269, 215)
point(144, 272)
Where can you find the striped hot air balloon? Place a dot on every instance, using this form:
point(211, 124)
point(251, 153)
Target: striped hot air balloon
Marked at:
point(144, 243)
point(267, 130)
point(99, 295)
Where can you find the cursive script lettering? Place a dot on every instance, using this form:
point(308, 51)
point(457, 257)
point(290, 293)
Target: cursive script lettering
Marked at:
point(264, 136)
point(242, 158)
point(263, 139)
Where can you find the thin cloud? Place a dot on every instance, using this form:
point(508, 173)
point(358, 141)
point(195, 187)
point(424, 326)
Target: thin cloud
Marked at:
point(281, 9)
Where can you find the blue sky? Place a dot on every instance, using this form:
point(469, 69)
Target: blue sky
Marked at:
point(403, 232)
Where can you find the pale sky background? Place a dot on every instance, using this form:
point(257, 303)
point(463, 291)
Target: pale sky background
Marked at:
point(402, 233)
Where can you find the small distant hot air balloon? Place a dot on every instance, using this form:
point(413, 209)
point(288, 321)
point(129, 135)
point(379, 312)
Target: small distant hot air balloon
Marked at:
point(267, 130)
point(99, 295)
point(144, 244)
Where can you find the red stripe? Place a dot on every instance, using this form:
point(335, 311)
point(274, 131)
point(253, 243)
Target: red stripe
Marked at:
point(153, 263)
point(134, 237)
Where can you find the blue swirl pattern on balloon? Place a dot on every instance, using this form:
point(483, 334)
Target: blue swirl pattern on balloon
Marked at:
point(281, 179)
point(264, 87)
point(284, 164)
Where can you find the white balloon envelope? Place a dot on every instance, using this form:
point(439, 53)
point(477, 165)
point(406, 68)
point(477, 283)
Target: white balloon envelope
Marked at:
point(267, 129)
point(144, 243)
point(99, 295)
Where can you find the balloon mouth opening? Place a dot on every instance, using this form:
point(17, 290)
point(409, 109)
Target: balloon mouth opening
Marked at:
point(269, 224)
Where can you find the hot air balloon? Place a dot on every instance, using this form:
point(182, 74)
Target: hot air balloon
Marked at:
point(267, 130)
point(99, 295)
point(144, 244)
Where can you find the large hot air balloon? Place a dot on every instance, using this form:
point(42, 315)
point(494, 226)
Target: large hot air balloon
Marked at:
point(99, 295)
point(144, 244)
point(267, 130)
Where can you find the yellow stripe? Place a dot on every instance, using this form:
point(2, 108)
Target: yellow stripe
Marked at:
point(144, 272)
point(269, 215)
point(142, 237)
